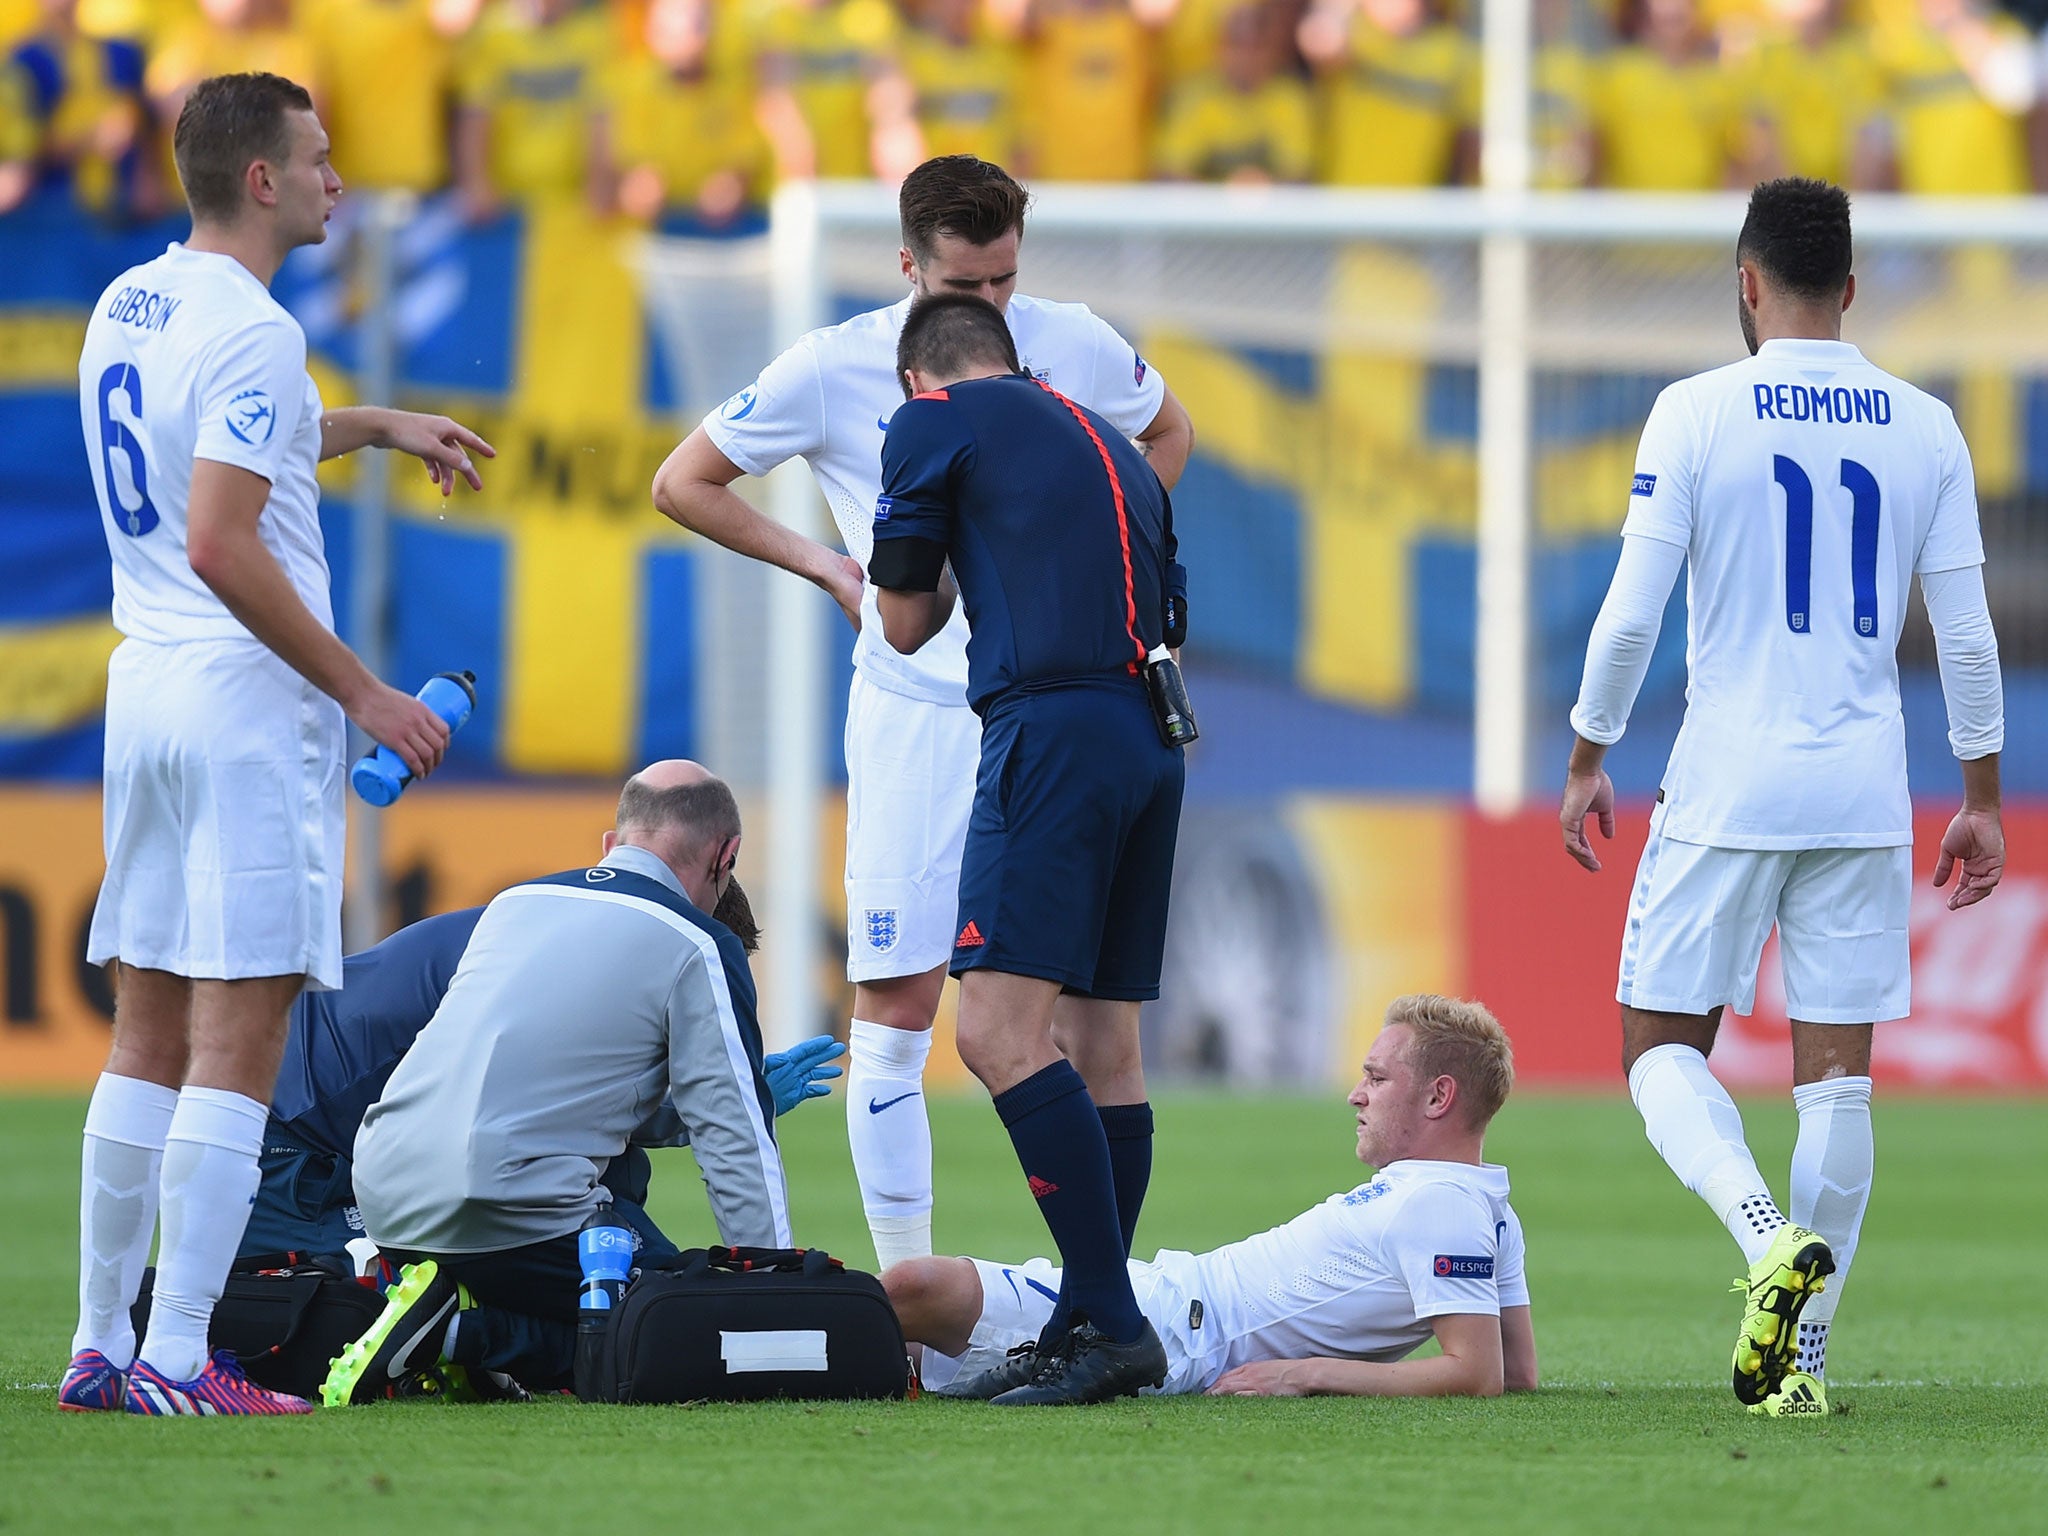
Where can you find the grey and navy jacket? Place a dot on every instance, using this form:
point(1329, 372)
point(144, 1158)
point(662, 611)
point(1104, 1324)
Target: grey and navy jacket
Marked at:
point(583, 1000)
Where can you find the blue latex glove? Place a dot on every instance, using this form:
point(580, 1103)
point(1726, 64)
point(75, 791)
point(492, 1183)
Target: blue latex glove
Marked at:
point(801, 1072)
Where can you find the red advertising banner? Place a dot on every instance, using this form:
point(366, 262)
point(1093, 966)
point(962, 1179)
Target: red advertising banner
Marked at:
point(1543, 944)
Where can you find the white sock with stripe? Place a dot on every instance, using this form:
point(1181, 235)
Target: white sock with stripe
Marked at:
point(1832, 1164)
point(891, 1137)
point(1697, 1130)
point(210, 1176)
point(125, 1127)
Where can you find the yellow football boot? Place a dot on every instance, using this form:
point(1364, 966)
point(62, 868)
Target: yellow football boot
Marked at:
point(1778, 1287)
point(1799, 1396)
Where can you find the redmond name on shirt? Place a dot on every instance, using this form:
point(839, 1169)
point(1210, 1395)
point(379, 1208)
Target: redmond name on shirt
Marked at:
point(1818, 402)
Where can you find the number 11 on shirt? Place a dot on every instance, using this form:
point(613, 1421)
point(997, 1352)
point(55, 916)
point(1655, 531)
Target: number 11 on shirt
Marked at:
point(1864, 502)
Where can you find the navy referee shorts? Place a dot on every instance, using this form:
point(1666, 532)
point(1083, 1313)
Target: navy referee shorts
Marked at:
point(1069, 856)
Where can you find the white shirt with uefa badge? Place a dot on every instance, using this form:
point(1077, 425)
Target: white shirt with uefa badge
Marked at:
point(828, 400)
point(1807, 488)
point(1358, 1277)
point(189, 357)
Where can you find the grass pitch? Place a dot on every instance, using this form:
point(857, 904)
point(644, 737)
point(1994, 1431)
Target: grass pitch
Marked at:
point(1940, 1359)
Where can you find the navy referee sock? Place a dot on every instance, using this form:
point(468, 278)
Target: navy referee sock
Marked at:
point(1059, 1140)
point(1129, 1130)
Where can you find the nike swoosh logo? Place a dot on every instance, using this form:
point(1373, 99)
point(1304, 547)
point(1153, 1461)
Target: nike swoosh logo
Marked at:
point(1046, 1291)
point(882, 422)
point(1011, 1276)
point(876, 1106)
point(396, 1367)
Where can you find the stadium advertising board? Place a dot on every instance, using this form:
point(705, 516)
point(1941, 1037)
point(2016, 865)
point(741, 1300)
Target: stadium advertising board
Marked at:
point(1292, 927)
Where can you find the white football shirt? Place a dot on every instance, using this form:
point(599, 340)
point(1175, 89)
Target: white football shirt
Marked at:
point(1807, 487)
point(189, 357)
point(1360, 1276)
point(828, 400)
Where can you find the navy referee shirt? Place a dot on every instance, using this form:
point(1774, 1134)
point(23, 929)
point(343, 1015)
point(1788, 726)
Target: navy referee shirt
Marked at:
point(1060, 534)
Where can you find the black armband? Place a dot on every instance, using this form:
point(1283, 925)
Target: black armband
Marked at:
point(907, 565)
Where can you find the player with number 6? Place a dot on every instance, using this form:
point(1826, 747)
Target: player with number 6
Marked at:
point(224, 756)
point(1804, 489)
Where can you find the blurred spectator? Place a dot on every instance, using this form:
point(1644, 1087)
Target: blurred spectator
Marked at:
point(1191, 33)
point(229, 37)
point(1961, 82)
point(1247, 120)
point(387, 68)
point(965, 79)
point(529, 127)
point(1400, 91)
point(1560, 100)
point(834, 100)
point(1816, 95)
point(684, 134)
point(18, 20)
point(1665, 115)
point(79, 118)
point(1090, 91)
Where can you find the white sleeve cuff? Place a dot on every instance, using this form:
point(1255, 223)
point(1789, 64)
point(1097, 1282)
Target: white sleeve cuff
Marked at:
point(1967, 650)
point(1624, 635)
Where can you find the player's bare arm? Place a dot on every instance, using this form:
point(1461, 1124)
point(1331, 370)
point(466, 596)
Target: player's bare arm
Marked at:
point(225, 548)
point(1518, 1350)
point(1168, 440)
point(1471, 1365)
point(1587, 792)
point(693, 487)
point(443, 445)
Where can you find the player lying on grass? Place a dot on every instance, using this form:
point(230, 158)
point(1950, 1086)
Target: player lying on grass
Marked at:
point(1334, 1301)
point(584, 1004)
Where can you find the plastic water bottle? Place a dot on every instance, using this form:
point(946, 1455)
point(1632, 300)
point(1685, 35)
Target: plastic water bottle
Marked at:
point(380, 777)
point(604, 1247)
point(604, 1250)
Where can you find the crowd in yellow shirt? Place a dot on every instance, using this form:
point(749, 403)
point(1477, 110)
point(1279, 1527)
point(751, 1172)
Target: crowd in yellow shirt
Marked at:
point(694, 109)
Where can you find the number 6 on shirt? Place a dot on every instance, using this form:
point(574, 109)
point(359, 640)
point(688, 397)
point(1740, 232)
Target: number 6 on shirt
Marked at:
point(1863, 521)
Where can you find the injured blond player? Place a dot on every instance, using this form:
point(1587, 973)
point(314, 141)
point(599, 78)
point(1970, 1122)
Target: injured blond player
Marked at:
point(1334, 1301)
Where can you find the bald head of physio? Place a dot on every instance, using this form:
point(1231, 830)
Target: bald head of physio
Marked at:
point(686, 816)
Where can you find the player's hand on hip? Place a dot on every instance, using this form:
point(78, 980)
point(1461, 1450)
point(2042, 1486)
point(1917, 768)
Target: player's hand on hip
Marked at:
point(1261, 1378)
point(443, 445)
point(1976, 841)
point(405, 725)
point(1586, 794)
point(843, 577)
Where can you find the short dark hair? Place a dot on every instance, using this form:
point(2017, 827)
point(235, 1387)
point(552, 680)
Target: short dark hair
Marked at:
point(1797, 233)
point(705, 809)
point(227, 123)
point(949, 333)
point(964, 196)
point(737, 913)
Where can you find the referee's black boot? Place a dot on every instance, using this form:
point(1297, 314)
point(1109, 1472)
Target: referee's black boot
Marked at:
point(1092, 1369)
point(1017, 1369)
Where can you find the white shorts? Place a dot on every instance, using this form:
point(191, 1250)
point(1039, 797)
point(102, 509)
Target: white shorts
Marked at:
point(910, 768)
point(1016, 1300)
point(223, 815)
point(1699, 916)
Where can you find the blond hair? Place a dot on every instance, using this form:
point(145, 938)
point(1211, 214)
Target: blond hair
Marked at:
point(1461, 1040)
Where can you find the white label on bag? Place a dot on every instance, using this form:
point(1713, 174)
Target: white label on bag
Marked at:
point(773, 1349)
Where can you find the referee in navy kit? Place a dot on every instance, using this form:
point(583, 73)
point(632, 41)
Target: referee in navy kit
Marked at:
point(1060, 539)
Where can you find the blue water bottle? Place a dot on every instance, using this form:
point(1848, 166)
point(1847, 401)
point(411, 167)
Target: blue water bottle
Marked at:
point(380, 777)
point(604, 1250)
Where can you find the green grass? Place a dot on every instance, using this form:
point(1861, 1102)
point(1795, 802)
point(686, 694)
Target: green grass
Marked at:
point(1940, 1358)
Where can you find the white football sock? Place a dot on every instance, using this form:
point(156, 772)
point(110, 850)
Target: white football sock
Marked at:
point(1697, 1129)
point(1831, 1173)
point(210, 1176)
point(125, 1126)
point(891, 1137)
